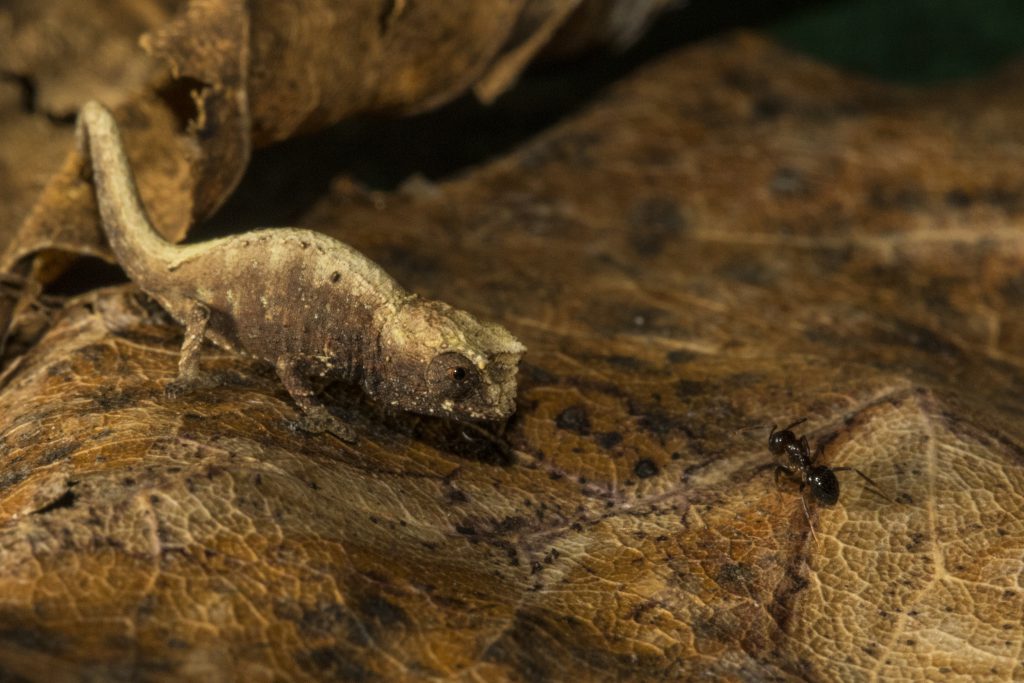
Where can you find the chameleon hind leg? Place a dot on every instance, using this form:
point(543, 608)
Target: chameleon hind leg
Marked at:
point(294, 373)
point(189, 375)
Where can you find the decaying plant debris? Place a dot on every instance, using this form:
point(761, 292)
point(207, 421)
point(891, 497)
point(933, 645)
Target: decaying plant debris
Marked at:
point(731, 237)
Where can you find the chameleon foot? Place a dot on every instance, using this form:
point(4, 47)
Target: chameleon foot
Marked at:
point(181, 386)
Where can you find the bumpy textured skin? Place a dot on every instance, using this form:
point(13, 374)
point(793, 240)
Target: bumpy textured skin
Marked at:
point(305, 302)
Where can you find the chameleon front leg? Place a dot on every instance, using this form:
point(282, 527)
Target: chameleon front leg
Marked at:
point(189, 376)
point(294, 372)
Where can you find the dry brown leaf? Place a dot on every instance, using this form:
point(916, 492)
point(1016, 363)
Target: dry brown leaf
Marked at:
point(55, 55)
point(735, 236)
point(76, 50)
point(242, 74)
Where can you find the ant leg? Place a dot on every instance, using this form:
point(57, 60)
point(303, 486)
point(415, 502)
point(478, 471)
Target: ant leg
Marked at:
point(807, 514)
point(782, 469)
point(871, 482)
point(788, 472)
point(779, 468)
point(820, 450)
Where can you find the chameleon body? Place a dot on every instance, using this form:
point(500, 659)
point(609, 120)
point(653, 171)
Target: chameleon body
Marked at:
point(306, 303)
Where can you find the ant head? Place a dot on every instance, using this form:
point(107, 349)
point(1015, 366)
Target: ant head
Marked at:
point(777, 441)
point(824, 485)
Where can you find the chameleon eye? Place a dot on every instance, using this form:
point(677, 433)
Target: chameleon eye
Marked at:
point(451, 375)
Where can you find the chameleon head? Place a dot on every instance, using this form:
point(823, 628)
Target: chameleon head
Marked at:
point(438, 360)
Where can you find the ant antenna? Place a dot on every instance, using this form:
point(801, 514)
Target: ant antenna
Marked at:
point(772, 426)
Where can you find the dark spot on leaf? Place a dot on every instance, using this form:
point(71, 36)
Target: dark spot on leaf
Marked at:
point(625, 362)
point(788, 182)
point(958, 198)
point(574, 419)
point(747, 271)
point(685, 388)
point(654, 420)
point(680, 356)
point(386, 613)
point(333, 663)
point(1013, 288)
point(891, 197)
point(1010, 200)
point(608, 440)
point(535, 375)
point(509, 524)
point(645, 468)
point(735, 577)
point(654, 222)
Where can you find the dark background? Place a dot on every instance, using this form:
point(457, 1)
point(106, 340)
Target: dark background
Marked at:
point(912, 42)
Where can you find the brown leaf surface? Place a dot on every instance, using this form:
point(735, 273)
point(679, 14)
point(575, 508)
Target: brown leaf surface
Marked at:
point(733, 237)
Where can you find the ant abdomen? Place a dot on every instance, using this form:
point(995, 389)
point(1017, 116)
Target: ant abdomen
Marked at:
point(824, 485)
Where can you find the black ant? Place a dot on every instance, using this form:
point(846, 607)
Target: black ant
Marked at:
point(821, 479)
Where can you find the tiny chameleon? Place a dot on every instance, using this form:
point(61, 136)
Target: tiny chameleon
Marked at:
point(307, 303)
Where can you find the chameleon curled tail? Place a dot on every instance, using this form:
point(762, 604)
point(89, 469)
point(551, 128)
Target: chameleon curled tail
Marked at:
point(132, 237)
point(306, 303)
